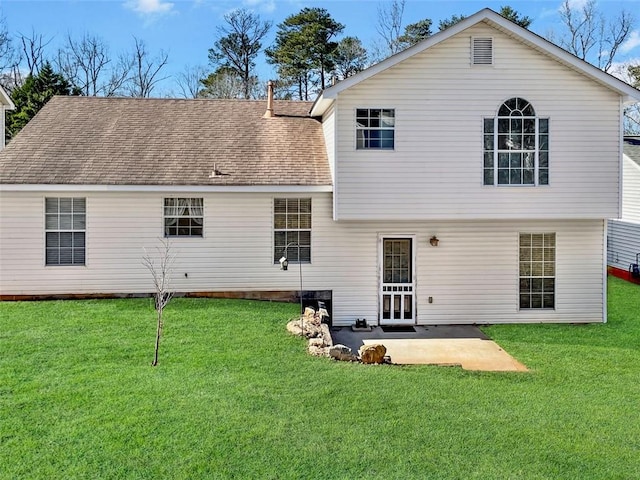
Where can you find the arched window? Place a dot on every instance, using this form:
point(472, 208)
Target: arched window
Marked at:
point(516, 146)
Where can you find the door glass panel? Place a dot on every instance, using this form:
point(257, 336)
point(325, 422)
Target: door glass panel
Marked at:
point(396, 306)
point(386, 307)
point(397, 260)
point(408, 307)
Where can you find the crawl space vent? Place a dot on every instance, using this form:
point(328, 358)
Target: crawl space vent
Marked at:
point(482, 51)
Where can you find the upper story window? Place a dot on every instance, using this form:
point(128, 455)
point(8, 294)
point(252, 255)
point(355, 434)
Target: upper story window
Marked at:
point(65, 228)
point(183, 217)
point(375, 128)
point(292, 228)
point(516, 146)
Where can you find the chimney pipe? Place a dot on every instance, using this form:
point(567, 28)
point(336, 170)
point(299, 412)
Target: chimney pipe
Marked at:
point(269, 112)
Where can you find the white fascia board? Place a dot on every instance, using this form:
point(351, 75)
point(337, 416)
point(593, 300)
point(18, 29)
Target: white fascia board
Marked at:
point(5, 100)
point(321, 105)
point(629, 94)
point(165, 188)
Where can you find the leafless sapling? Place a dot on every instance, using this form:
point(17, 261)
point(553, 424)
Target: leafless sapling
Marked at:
point(160, 266)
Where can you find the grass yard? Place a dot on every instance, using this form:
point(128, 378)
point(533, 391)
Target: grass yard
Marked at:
point(235, 396)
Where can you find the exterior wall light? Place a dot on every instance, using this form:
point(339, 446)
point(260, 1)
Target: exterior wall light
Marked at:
point(434, 241)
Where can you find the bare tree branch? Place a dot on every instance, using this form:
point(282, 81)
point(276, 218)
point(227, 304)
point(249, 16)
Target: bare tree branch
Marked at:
point(6, 46)
point(145, 70)
point(587, 31)
point(33, 51)
point(161, 268)
point(84, 62)
point(189, 81)
point(389, 24)
point(9, 59)
point(119, 76)
point(618, 33)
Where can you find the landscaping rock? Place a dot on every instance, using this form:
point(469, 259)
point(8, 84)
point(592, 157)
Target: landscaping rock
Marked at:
point(311, 330)
point(317, 332)
point(372, 353)
point(326, 335)
point(342, 353)
point(309, 315)
point(318, 351)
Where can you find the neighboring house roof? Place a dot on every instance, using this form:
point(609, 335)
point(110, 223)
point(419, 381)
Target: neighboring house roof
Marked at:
point(132, 141)
point(632, 148)
point(628, 93)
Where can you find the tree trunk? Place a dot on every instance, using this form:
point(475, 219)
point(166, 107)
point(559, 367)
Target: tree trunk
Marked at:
point(246, 82)
point(158, 335)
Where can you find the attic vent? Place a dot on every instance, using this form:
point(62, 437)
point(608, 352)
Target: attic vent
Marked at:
point(482, 51)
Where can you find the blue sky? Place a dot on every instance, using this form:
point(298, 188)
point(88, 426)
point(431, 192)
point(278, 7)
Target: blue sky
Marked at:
point(186, 28)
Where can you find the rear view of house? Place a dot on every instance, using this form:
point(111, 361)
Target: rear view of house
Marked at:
point(463, 180)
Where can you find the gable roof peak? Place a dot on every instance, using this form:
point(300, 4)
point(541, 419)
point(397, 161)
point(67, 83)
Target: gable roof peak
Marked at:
point(629, 94)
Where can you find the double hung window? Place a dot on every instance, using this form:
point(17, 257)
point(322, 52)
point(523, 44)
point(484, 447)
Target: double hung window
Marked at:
point(183, 217)
point(292, 229)
point(65, 231)
point(516, 146)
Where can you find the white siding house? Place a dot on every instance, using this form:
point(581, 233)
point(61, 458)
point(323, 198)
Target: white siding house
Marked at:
point(623, 243)
point(631, 180)
point(464, 180)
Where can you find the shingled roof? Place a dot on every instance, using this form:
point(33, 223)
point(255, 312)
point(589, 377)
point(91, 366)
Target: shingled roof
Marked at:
point(128, 141)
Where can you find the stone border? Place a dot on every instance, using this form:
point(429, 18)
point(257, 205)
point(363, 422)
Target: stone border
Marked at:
point(311, 326)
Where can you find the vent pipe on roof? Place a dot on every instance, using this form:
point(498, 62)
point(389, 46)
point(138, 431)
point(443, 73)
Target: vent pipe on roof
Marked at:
point(269, 112)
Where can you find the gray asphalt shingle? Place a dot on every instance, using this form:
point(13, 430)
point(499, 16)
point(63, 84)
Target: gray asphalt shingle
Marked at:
point(130, 141)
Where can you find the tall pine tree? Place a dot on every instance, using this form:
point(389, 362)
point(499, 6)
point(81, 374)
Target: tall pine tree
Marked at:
point(304, 48)
point(238, 45)
point(32, 95)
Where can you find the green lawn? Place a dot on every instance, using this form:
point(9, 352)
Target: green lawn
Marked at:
point(235, 396)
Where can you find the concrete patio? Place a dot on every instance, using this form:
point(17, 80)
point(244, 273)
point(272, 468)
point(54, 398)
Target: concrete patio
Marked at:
point(454, 345)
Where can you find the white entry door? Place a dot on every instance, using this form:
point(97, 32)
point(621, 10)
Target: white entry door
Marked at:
point(397, 298)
